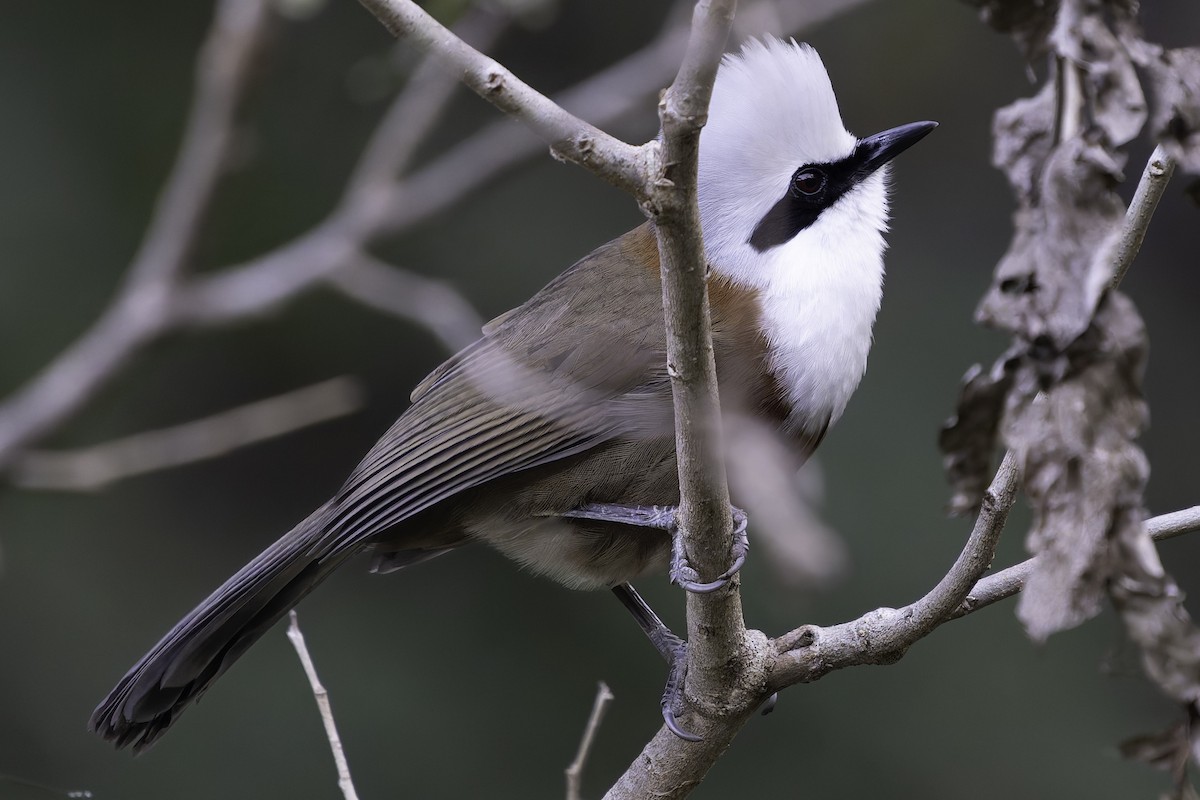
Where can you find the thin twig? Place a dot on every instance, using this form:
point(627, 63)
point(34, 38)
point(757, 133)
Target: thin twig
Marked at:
point(1141, 209)
point(345, 782)
point(604, 698)
point(883, 636)
point(96, 467)
point(1010, 581)
point(1150, 188)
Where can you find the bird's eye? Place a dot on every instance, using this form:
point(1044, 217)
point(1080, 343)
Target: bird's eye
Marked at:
point(808, 181)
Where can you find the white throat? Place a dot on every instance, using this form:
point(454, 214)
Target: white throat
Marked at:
point(773, 110)
point(820, 295)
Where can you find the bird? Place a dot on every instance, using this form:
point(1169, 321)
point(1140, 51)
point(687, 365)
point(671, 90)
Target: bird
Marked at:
point(551, 437)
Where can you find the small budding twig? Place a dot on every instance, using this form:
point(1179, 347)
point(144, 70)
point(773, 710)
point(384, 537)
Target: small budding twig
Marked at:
point(604, 698)
point(321, 695)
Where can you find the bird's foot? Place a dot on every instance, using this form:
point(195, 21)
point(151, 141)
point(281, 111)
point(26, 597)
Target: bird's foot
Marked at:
point(666, 518)
point(675, 651)
point(670, 647)
point(685, 576)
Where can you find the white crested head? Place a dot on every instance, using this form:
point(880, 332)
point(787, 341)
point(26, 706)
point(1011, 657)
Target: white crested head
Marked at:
point(794, 207)
point(773, 111)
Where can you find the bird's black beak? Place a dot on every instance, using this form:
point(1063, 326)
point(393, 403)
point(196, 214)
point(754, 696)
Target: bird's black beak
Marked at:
point(875, 151)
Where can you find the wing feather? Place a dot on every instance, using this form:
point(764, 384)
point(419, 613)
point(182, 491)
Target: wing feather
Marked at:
point(543, 384)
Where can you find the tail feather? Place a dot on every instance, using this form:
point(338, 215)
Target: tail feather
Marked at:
point(207, 641)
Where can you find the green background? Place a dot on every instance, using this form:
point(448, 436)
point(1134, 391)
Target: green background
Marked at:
point(465, 677)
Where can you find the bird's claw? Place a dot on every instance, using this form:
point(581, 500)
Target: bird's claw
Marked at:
point(685, 576)
point(673, 726)
point(672, 696)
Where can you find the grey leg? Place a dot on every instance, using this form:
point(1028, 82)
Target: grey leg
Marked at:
point(670, 646)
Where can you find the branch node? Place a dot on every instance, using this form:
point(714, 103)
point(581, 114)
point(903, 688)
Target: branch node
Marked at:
point(493, 79)
point(807, 637)
point(800, 638)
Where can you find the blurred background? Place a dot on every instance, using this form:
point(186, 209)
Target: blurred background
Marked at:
point(465, 677)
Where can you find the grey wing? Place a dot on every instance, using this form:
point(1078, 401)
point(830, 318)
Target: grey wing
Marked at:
point(536, 389)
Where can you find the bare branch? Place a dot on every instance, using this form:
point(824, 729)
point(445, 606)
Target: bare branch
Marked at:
point(882, 636)
point(321, 695)
point(262, 285)
point(1176, 523)
point(1007, 582)
point(667, 769)
point(93, 468)
point(726, 667)
point(715, 626)
point(223, 76)
point(604, 698)
point(570, 138)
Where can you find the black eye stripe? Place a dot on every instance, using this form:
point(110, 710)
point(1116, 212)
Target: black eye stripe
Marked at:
point(815, 187)
point(799, 208)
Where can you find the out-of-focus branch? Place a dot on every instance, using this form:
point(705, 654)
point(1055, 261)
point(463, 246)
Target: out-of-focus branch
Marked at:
point(409, 296)
point(157, 297)
point(321, 695)
point(93, 468)
point(604, 698)
point(415, 111)
point(139, 313)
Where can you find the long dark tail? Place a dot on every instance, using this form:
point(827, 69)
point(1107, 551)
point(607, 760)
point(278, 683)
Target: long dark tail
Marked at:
point(207, 641)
